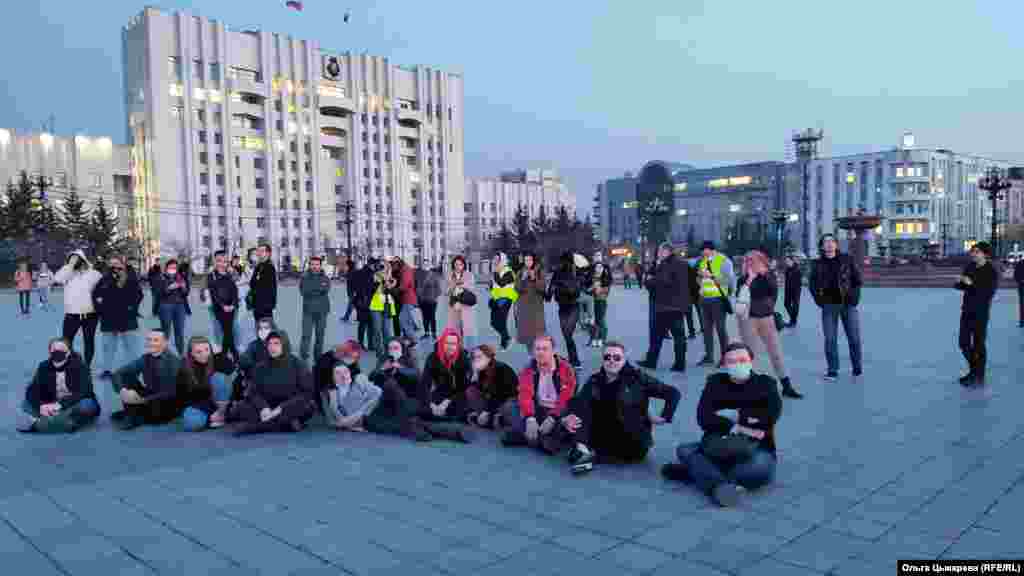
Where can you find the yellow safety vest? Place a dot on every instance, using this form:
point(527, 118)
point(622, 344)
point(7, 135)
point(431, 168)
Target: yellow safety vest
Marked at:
point(380, 300)
point(708, 289)
point(508, 291)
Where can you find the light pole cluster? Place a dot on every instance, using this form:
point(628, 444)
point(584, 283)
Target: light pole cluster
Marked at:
point(996, 183)
point(652, 213)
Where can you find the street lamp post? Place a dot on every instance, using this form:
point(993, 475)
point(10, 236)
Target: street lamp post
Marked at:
point(996, 184)
point(779, 217)
point(652, 214)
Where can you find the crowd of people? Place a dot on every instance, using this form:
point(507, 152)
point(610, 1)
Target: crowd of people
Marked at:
point(263, 385)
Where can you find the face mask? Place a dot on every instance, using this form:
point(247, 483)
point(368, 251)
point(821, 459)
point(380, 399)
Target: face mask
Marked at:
point(739, 372)
point(263, 333)
point(479, 365)
point(347, 361)
point(172, 271)
point(58, 357)
point(395, 354)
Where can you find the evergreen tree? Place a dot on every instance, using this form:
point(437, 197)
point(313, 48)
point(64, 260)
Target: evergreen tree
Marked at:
point(101, 234)
point(16, 211)
point(562, 222)
point(504, 241)
point(75, 219)
point(522, 230)
point(691, 240)
point(542, 223)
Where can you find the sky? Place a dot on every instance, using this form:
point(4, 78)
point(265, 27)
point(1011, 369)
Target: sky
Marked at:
point(596, 89)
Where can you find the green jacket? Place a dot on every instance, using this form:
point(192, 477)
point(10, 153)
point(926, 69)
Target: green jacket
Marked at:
point(316, 293)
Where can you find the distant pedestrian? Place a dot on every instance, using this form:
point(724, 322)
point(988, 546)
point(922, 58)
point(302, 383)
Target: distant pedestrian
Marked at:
point(222, 293)
point(79, 279)
point(153, 278)
point(44, 278)
point(173, 292)
point(530, 307)
point(263, 285)
point(406, 298)
point(428, 292)
point(351, 273)
point(461, 314)
point(315, 288)
point(979, 283)
point(600, 287)
point(503, 296)
point(1018, 276)
point(835, 284)
point(117, 298)
point(23, 284)
point(671, 296)
point(565, 289)
point(794, 280)
point(716, 285)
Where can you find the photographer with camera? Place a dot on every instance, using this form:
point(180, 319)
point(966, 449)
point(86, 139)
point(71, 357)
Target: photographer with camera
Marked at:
point(79, 279)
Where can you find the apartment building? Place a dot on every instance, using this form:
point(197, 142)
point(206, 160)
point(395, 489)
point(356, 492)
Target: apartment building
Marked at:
point(94, 166)
point(491, 203)
point(240, 137)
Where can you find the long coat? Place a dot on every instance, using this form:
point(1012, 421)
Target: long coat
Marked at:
point(530, 308)
point(463, 318)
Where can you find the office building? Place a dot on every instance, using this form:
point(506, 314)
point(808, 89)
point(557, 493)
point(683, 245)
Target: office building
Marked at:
point(243, 137)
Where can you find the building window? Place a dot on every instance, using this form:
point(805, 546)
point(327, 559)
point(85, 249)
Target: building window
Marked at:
point(309, 204)
point(219, 178)
point(204, 200)
point(261, 222)
point(205, 221)
point(309, 185)
point(203, 158)
point(295, 185)
point(176, 112)
point(220, 159)
point(259, 203)
point(295, 203)
point(259, 184)
point(258, 163)
point(220, 200)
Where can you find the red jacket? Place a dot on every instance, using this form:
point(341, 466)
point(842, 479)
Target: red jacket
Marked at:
point(407, 286)
point(529, 379)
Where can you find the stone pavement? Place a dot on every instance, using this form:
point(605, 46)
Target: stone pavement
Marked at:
point(900, 463)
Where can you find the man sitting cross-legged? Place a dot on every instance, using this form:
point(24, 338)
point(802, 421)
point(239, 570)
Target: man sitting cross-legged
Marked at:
point(148, 387)
point(732, 454)
point(610, 414)
point(279, 398)
point(60, 397)
point(545, 388)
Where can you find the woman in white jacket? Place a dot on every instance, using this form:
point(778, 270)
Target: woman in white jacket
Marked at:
point(79, 279)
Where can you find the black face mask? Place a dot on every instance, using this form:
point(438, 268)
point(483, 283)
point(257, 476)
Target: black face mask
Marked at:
point(58, 356)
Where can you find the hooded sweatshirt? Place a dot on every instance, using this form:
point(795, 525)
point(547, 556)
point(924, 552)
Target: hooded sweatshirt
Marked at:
point(444, 377)
point(78, 285)
point(278, 380)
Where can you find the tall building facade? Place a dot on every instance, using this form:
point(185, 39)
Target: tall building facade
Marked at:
point(243, 137)
point(94, 166)
point(491, 203)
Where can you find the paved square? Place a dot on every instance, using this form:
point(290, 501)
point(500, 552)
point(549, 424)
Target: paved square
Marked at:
point(899, 463)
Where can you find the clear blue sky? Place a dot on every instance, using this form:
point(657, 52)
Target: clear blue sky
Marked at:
point(597, 88)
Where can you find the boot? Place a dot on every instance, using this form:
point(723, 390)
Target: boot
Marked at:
point(788, 391)
point(581, 459)
point(676, 472)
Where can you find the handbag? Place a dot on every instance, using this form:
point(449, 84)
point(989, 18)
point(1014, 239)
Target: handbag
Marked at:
point(466, 298)
point(730, 448)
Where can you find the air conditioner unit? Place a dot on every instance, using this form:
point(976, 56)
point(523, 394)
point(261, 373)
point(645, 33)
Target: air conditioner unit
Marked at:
point(332, 68)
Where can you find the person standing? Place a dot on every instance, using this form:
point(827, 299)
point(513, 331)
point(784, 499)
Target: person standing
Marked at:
point(363, 293)
point(716, 285)
point(428, 291)
point(156, 271)
point(315, 288)
point(223, 292)
point(351, 273)
point(117, 298)
point(79, 279)
point(670, 292)
point(44, 278)
point(23, 284)
point(586, 300)
point(565, 290)
point(693, 284)
point(503, 296)
point(530, 306)
point(263, 285)
point(794, 280)
point(600, 287)
point(460, 314)
point(173, 295)
point(756, 295)
point(1018, 276)
point(835, 283)
point(979, 283)
point(406, 299)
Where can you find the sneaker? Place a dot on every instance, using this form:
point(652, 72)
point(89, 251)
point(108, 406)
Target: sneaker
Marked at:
point(831, 376)
point(726, 495)
point(581, 459)
point(676, 472)
point(788, 391)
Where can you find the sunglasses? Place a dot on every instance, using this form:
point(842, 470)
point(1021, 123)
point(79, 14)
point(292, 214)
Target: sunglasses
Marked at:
point(613, 357)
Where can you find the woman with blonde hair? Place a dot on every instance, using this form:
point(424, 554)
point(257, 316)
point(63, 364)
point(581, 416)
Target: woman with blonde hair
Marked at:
point(756, 295)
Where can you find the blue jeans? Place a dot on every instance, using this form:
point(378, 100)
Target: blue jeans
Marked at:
point(128, 342)
point(830, 316)
point(380, 331)
point(196, 420)
point(707, 475)
point(407, 320)
point(173, 315)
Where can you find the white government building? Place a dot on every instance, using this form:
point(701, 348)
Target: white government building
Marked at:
point(240, 137)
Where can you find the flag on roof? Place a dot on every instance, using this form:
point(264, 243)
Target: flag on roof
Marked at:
point(294, 4)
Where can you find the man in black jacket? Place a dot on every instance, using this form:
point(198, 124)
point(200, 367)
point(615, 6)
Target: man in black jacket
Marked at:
point(835, 284)
point(362, 290)
point(350, 288)
point(223, 294)
point(609, 415)
point(979, 283)
point(791, 296)
point(148, 387)
point(263, 286)
point(117, 298)
point(1018, 276)
point(732, 454)
point(669, 286)
point(153, 277)
point(565, 289)
point(60, 398)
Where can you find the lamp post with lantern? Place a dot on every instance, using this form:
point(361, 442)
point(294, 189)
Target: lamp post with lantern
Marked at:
point(996, 184)
point(652, 214)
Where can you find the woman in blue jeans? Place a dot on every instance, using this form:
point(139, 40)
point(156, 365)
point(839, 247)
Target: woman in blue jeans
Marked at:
point(204, 393)
point(713, 464)
point(174, 290)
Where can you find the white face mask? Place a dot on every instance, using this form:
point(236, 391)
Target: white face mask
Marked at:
point(395, 354)
point(739, 372)
point(348, 361)
point(263, 333)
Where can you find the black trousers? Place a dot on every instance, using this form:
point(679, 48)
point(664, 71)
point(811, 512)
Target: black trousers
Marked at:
point(87, 323)
point(973, 332)
point(792, 304)
point(499, 318)
point(429, 311)
point(348, 311)
point(298, 408)
point(363, 329)
point(665, 322)
point(694, 306)
point(606, 437)
point(1020, 302)
point(567, 318)
point(227, 326)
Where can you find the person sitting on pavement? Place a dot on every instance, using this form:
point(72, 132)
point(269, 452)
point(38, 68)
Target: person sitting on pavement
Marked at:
point(204, 392)
point(492, 384)
point(255, 354)
point(349, 402)
point(442, 386)
point(399, 366)
point(348, 353)
point(545, 387)
point(732, 454)
point(279, 397)
point(610, 415)
point(148, 386)
point(60, 397)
